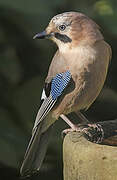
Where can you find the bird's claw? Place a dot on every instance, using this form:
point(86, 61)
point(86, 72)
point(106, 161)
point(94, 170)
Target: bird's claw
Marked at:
point(74, 129)
point(92, 132)
point(66, 131)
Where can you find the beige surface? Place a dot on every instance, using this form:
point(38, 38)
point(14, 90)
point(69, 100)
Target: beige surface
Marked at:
point(84, 160)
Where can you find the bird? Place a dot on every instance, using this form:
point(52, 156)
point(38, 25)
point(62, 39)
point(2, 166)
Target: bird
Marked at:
point(75, 78)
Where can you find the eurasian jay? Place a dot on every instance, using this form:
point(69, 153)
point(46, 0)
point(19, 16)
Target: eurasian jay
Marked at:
point(75, 78)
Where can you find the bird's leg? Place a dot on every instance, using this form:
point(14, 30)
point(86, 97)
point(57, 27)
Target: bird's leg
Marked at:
point(92, 132)
point(85, 121)
point(73, 126)
point(82, 117)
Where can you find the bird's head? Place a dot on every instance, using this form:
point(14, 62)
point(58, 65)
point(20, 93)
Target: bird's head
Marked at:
point(70, 29)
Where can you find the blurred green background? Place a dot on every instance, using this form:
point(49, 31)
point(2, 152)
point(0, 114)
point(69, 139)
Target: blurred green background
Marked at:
point(23, 67)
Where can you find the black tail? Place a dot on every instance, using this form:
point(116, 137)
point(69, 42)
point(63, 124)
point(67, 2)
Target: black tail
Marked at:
point(36, 151)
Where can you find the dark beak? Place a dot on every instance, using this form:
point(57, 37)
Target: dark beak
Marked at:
point(41, 35)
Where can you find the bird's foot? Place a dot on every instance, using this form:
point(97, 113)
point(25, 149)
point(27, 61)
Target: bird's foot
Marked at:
point(96, 133)
point(66, 131)
point(92, 132)
point(75, 128)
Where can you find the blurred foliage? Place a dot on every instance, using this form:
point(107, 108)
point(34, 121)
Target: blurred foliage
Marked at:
point(23, 67)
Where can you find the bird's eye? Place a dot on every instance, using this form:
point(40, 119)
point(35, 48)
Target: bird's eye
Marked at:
point(62, 27)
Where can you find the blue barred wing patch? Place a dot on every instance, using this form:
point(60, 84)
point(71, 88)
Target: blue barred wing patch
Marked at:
point(59, 82)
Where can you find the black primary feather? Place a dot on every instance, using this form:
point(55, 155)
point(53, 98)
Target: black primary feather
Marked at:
point(47, 88)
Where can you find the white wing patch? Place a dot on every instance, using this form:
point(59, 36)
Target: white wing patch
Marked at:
point(43, 96)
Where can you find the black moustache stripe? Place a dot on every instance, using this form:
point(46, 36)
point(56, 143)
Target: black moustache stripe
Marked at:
point(62, 37)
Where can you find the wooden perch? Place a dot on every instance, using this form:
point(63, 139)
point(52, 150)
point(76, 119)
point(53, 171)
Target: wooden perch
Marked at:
point(84, 160)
